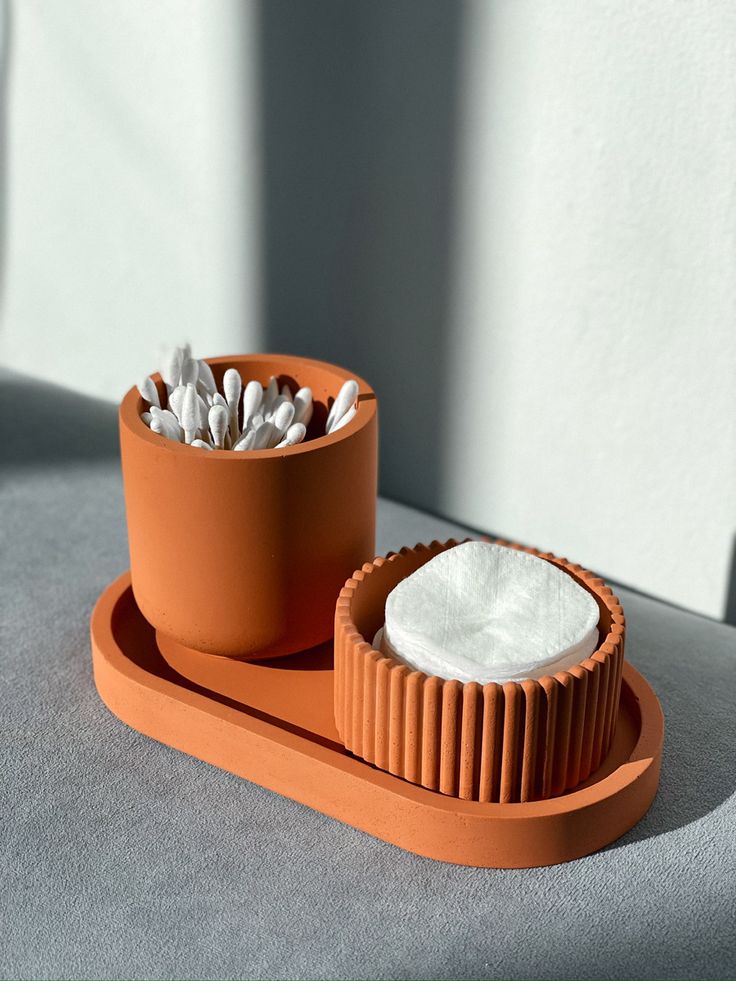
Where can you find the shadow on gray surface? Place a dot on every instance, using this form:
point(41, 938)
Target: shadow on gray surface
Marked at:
point(730, 612)
point(44, 424)
point(359, 156)
point(697, 774)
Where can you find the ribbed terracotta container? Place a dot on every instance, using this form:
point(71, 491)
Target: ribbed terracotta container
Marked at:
point(243, 554)
point(516, 742)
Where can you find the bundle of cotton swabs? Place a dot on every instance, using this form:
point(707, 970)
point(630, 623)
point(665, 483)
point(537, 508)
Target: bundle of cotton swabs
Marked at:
point(198, 414)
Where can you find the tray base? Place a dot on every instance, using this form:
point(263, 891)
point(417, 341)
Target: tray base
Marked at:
point(272, 722)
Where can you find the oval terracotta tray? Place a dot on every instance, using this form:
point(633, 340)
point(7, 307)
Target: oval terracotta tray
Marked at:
point(273, 722)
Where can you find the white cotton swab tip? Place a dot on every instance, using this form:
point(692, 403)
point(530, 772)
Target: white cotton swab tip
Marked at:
point(171, 372)
point(303, 406)
point(263, 436)
point(167, 415)
point(252, 398)
point(204, 411)
point(246, 441)
point(170, 423)
point(295, 434)
point(176, 400)
point(163, 426)
point(149, 392)
point(272, 393)
point(206, 377)
point(232, 385)
point(345, 399)
point(283, 416)
point(279, 400)
point(189, 372)
point(344, 420)
point(218, 420)
point(190, 413)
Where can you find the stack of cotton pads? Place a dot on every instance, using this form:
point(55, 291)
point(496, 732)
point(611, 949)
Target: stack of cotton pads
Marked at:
point(488, 613)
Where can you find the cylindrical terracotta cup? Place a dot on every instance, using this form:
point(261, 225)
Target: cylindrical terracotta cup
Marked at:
point(243, 554)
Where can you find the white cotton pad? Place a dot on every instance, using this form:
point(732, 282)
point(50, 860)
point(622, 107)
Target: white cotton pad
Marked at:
point(483, 612)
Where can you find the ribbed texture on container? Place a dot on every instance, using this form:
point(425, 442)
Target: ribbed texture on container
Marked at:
point(520, 741)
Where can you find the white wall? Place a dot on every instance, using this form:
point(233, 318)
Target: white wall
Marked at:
point(131, 166)
point(589, 347)
point(595, 312)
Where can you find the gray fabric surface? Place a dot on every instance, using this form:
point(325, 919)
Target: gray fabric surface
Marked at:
point(122, 858)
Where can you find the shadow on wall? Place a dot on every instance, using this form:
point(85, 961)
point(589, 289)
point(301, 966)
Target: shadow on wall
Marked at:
point(730, 612)
point(74, 426)
point(359, 143)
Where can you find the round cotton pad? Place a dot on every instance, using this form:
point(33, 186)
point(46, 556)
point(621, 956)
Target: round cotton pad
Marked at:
point(483, 612)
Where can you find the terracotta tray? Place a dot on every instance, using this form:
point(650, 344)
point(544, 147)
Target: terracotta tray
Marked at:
point(276, 726)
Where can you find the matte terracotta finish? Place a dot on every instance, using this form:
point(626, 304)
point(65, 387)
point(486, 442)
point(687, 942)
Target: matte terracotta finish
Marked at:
point(244, 554)
point(276, 727)
point(508, 743)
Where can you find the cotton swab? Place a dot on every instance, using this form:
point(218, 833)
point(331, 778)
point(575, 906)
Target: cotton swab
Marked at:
point(189, 372)
point(190, 413)
point(171, 373)
point(271, 418)
point(277, 402)
point(162, 427)
point(231, 386)
point(272, 393)
point(168, 421)
point(303, 406)
point(149, 392)
point(167, 415)
point(206, 378)
point(204, 411)
point(157, 425)
point(283, 417)
point(263, 436)
point(295, 434)
point(219, 421)
point(345, 399)
point(176, 399)
point(350, 414)
point(252, 398)
point(246, 441)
